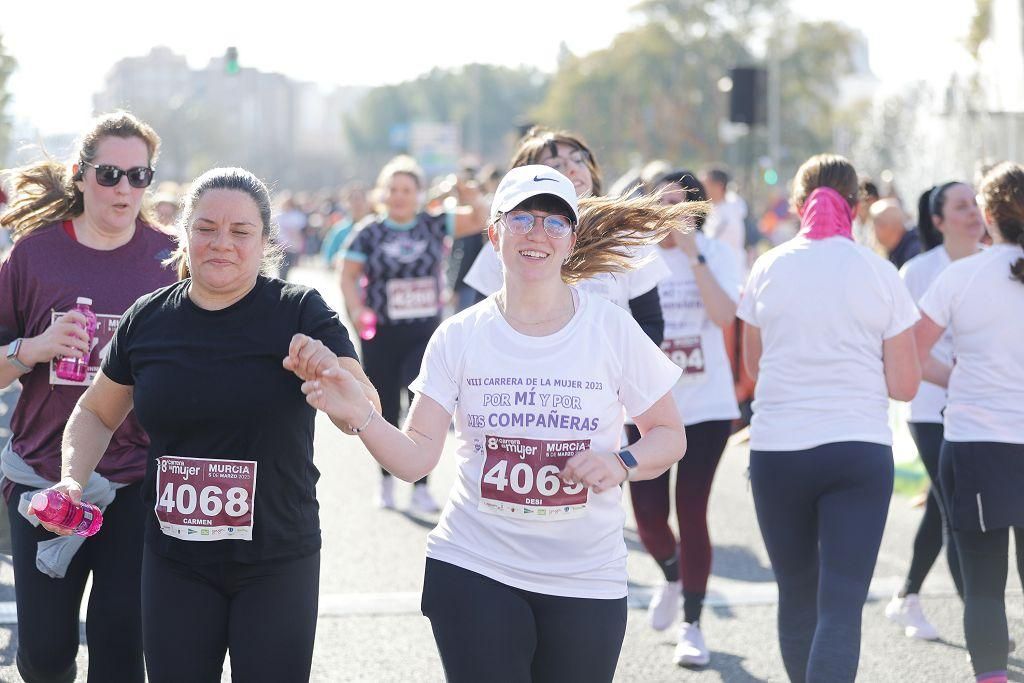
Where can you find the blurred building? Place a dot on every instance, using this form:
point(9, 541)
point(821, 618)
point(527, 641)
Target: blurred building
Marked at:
point(290, 133)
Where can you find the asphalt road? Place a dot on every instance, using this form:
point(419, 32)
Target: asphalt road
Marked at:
point(370, 628)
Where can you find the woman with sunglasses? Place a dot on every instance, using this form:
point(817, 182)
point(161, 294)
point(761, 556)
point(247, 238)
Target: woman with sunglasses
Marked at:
point(829, 331)
point(526, 571)
point(636, 289)
point(391, 275)
point(80, 231)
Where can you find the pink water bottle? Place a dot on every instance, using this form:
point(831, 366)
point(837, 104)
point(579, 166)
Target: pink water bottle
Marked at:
point(57, 509)
point(367, 324)
point(77, 369)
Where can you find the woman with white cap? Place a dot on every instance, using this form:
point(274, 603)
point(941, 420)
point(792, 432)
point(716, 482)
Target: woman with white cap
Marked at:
point(526, 570)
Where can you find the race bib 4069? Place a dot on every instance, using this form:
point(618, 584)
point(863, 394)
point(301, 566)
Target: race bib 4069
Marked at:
point(521, 478)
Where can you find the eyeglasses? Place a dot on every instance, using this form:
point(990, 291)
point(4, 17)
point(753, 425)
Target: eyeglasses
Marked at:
point(522, 222)
point(109, 176)
point(577, 157)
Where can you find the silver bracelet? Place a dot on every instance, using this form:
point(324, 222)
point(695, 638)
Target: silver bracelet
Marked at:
point(369, 418)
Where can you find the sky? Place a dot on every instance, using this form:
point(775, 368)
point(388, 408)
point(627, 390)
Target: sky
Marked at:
point(63, 62)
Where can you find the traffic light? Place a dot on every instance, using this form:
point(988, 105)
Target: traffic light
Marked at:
point(231, 61)
point(748, 98)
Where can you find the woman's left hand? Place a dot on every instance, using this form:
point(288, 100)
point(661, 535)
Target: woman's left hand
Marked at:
point(598, 471)
point(308, 358)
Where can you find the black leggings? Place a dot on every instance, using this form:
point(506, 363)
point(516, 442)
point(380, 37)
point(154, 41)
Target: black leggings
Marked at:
point(705, 442)
point(263, 614)
point(392, 360)
point(934, 527)
point(822, 512)
point(487, 631)
point(48, 608)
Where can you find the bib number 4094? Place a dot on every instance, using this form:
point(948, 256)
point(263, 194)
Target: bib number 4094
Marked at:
point(210, 500)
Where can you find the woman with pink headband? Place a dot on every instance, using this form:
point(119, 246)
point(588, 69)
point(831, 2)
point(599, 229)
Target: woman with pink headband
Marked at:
point(829, 338)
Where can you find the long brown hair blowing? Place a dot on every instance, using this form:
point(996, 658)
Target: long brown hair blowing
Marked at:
point(610, 231)
point(45, 192)
point(1002, 191)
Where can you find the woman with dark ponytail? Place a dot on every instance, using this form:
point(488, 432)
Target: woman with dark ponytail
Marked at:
point(980, 298)
point(951, 226)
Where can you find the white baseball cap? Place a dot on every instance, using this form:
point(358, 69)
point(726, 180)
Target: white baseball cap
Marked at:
point(524, 182)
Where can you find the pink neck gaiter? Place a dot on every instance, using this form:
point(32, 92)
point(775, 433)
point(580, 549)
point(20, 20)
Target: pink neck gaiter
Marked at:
point(826, 214)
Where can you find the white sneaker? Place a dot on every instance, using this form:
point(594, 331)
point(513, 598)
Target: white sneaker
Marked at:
point(422, 501)
point(664, 606)
point(907, 613)
point(386, 493)
point(691, 650)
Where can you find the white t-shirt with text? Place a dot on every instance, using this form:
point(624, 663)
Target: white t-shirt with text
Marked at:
point(976, 299)
point(692, 341)
point(523, 405)
point(823, 307)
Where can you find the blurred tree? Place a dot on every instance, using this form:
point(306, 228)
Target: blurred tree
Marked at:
point(7, 66)
point(654, 92)
point(486, 102)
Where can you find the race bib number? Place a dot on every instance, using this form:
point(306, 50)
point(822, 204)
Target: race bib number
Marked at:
point(414, 297)
point(106, 325)
point(688, 354)
point(520, 479)
point(200, 499)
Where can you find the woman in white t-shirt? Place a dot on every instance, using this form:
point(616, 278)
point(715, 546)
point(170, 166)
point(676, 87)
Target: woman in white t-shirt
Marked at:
point(955, 223)
point(634, 289)
point(526, 570)
point(828, 337)
point(698, 301)
point(980, 299)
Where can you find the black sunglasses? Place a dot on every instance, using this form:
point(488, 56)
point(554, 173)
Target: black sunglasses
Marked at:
point(109, 176)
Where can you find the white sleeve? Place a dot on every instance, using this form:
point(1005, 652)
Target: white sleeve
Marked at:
point(747, 309)
point(437, 378)
point(725, 269)
point(485, 275)
point(646, 277)
point(937, 302)
point(904, 310)
point(647, 373)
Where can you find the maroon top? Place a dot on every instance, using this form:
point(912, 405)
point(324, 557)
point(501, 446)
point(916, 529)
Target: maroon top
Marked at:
point(44, 273)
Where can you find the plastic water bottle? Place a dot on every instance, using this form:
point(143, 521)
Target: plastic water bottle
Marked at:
point(77, 369)
point(367, 324)
point(57, 509)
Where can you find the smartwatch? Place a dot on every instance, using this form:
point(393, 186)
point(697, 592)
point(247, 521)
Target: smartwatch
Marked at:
point(628, 462)
point(12, 356)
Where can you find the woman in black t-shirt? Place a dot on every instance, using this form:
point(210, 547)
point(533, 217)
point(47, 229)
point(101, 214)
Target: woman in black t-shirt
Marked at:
point(234, 534)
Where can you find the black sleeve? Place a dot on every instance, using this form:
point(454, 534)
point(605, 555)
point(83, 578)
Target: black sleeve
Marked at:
point(117, 363)
point(646, 310)
point(321, 322)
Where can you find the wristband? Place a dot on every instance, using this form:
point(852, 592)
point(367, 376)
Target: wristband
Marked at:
point(369, 418)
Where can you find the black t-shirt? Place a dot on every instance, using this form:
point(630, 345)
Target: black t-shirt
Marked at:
point(210, 385)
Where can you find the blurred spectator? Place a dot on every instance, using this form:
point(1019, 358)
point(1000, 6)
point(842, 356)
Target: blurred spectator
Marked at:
point(861, 223)
point(356, 207)
point(291, 223)
point(890, 229)
point(165, 203)
point(726, 223)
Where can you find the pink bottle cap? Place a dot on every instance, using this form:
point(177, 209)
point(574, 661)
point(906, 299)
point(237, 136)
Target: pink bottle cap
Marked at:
point(40, 501)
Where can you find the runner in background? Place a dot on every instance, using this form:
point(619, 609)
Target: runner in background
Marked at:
point(526, 571)
point(232, 566)
point(79, 231)
point(980, 298)
point(357, 207)
point(391, 280)
point(699, 301)
point(635, 289)
point(956, 224)
point(826, 310)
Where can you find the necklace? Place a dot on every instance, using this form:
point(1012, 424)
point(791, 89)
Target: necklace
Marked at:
point(504, 311)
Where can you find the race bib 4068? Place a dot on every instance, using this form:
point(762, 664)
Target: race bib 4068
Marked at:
point(203, 499)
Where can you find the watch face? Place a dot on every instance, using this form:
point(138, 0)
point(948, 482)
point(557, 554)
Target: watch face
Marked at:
point(627, 459)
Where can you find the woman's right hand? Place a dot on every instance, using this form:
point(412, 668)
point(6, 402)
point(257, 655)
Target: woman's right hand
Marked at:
point(65, 337)
point(73, 490)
